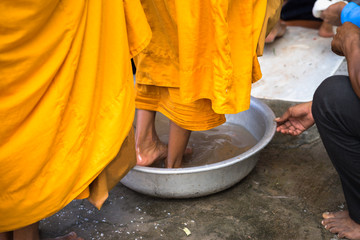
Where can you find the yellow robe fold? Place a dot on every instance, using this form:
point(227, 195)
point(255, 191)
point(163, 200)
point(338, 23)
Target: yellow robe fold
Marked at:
point(206, 50)
point(66, 101)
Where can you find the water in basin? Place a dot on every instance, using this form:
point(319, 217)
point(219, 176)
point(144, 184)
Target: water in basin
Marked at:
point(211, 146)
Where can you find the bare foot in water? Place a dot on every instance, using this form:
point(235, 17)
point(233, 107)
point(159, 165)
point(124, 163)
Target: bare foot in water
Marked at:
point(341, 224)
point(149, 152)
point(155, 151)
point(326, 30)
point(278, 31)
point(148, 146)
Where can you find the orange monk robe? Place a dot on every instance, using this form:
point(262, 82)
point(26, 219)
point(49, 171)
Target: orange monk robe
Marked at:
point(202, 59)
point(67, 102)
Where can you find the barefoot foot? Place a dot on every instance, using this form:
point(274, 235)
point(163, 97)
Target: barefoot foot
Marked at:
point(148, 146)
point(158, 152)
point(341, 224)
point(326, 30)
point(278, 31)
point(150, 152)
point(188, 151)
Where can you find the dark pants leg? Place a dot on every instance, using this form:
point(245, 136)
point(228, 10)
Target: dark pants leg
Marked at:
point(336, 110)
point(298, 10)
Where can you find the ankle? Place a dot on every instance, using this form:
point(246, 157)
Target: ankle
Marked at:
point(174, 162)
point(6, 236)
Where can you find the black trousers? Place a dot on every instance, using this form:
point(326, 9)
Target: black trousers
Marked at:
point(298, 10)
point(301, 10)
point(336, 110)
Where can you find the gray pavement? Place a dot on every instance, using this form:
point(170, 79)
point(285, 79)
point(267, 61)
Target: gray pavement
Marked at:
point(282, 198)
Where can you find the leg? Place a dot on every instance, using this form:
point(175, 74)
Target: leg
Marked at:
point(6, 236)
point(30, 232)
point(336, 110)
point(326, 30)
point(278, 31)
point(178, 139)
point(148, 146)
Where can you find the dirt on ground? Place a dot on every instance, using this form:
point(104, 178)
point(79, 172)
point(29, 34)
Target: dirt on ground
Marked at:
point(283, 198)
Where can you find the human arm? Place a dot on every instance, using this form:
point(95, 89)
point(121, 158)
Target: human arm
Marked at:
point(346, 43)
point(340, 12)
point(332, 14)
point(296, 119)
point(351, 13)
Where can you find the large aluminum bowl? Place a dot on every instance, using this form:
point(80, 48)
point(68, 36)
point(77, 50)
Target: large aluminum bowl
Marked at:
point(204, 180)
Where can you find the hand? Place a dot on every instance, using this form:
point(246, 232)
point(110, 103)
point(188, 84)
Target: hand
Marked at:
point(332, 13)
point(346, 38)
point(296, 119)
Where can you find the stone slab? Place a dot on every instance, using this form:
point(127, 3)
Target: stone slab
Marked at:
point(294, 65)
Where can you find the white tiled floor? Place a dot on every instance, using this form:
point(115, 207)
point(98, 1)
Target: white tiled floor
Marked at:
point(294, 66)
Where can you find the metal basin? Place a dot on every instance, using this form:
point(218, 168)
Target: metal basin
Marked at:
point(204, 180)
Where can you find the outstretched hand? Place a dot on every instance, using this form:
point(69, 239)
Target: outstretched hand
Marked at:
point(296, 119)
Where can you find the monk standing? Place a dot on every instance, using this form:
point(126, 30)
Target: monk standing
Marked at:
point(67, 105)
point(199, 65)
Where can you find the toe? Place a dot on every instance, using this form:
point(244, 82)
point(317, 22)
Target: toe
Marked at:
point(188, 151)
point(71, 236)
point(327, 215)
point(332, 230)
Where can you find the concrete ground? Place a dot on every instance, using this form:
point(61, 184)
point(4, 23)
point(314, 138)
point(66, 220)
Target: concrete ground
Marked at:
point(283, 198)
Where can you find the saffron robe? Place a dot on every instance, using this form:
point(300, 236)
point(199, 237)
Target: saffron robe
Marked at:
point(202, 52)
point(66, 102)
